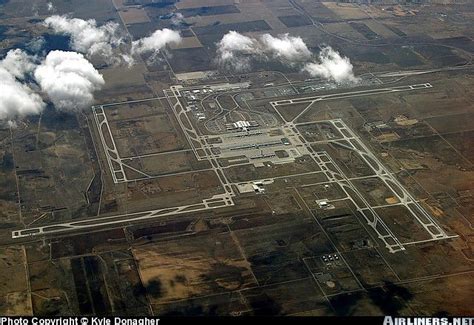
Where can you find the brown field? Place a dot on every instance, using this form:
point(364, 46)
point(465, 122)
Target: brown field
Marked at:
point(187, 43)
point(133, 16)
point(346, 10)
point(138, 133)
point(14, 283)
point(202, 3)
point(179, 271)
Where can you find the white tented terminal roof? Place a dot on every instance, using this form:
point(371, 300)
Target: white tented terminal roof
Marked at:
point(241, 124)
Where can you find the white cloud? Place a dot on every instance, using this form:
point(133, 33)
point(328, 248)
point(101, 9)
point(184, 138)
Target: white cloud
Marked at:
point(12, 124)
point(331, 65)
point(90, 39)
point(50, 7)
point(233, 43)
point(18, 63)
point(177, 19)
point(285, 47)
point(156, 41)
point(16, 97)
point(36, 44)
point(234, 50)
point(69, 80)
point(127, 59)
point(86, 36)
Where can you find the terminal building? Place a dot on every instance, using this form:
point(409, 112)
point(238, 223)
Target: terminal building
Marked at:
point(241, 125)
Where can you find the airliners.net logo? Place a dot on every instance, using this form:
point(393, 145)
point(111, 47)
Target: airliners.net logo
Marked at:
point(389, 320)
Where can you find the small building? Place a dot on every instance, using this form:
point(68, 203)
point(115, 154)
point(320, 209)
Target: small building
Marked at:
point(380, 125)
point(324, 204)
point(258, 188)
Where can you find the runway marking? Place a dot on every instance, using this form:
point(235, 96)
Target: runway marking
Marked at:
point(312, 99)
point(101, 120)
point(217, 201)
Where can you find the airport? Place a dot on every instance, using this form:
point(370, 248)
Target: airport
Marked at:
point(242, 143)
